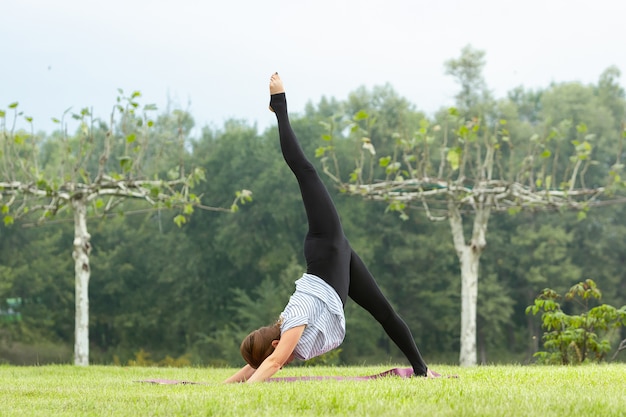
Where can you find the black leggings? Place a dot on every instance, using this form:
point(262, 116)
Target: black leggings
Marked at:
point(327, 251)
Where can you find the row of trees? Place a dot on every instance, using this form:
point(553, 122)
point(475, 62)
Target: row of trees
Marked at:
point(197, 287)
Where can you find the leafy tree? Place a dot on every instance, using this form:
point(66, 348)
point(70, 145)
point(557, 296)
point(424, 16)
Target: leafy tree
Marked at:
point(97, 170)
point(527, 104)
point(611, 94)
point(459, 167)
point(474, 98)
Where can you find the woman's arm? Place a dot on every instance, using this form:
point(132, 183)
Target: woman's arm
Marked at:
point(241, 375)
point(280, 356)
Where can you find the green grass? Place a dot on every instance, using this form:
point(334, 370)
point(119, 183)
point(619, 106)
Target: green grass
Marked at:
point(479, 391)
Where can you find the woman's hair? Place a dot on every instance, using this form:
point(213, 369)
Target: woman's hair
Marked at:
point(258, 345)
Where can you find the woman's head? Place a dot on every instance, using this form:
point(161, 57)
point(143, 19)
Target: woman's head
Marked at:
point(258, 345)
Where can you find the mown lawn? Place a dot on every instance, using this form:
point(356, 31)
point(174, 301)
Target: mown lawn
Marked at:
point(480, 391)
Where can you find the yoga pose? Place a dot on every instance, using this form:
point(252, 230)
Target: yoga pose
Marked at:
point(313, 321)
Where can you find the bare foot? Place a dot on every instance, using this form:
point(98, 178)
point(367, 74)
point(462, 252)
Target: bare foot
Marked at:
point(276, 84)
point(432, 374)
point(277, 90)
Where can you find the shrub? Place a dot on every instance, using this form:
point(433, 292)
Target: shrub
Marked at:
point(572, 339)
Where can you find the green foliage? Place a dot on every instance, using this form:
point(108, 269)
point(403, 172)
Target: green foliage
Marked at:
point(467, 72)
point(573, 339)
point(143, 359)
point(249, 311)
point(454, 157)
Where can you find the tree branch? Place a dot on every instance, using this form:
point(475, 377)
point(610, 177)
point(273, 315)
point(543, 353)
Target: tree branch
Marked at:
point(503, 195)
point(622, 346)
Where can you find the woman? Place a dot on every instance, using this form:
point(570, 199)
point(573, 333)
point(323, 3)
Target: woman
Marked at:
point(313, 321)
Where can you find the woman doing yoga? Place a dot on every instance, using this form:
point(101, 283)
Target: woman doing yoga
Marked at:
point(313, 321)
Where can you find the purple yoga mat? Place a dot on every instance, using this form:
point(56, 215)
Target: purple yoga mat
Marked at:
point(400, 372)
point(170, 382)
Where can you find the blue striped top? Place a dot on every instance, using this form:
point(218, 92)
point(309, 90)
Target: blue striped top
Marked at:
point(317, 305)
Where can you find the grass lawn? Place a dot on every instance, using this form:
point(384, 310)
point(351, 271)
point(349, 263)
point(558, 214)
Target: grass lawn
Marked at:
point(479, 391)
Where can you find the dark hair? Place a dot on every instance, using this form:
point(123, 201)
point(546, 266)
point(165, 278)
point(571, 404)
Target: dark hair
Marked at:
point(258, 345)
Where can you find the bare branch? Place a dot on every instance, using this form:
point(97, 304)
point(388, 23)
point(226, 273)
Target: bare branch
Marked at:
point(429, 214)
point(622, 346)
point(500, 195)
point(572, 181)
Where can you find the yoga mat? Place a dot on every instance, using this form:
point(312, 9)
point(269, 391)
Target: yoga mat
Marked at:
point(395, 372)
point(401, 372)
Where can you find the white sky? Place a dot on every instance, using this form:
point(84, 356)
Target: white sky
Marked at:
point(215, 57)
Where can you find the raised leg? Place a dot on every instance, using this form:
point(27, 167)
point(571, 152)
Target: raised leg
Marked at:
point(321, 213)
point(326, 249)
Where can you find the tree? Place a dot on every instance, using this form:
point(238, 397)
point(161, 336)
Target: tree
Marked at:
point(470, 163)
point(93, 172)
point(468, 72)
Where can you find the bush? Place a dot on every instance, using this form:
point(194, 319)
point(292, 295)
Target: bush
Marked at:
point(572, 339)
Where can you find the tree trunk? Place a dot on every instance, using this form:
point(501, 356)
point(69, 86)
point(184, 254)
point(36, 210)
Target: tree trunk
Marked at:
point(469, 300)
point(82, 249)
point(469, 258)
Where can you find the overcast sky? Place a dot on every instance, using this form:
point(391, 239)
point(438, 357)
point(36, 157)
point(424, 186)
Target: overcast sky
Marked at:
point(215, 57)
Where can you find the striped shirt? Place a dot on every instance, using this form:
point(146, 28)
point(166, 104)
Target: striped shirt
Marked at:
point(317, 305)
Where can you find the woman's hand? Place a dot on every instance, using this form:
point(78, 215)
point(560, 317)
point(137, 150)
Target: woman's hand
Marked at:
point(241, 375)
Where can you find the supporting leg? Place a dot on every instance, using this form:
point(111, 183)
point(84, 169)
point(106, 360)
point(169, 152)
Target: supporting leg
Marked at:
point(366, 293)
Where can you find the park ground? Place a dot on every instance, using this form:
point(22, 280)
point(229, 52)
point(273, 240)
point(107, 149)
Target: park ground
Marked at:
point(63, 390)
